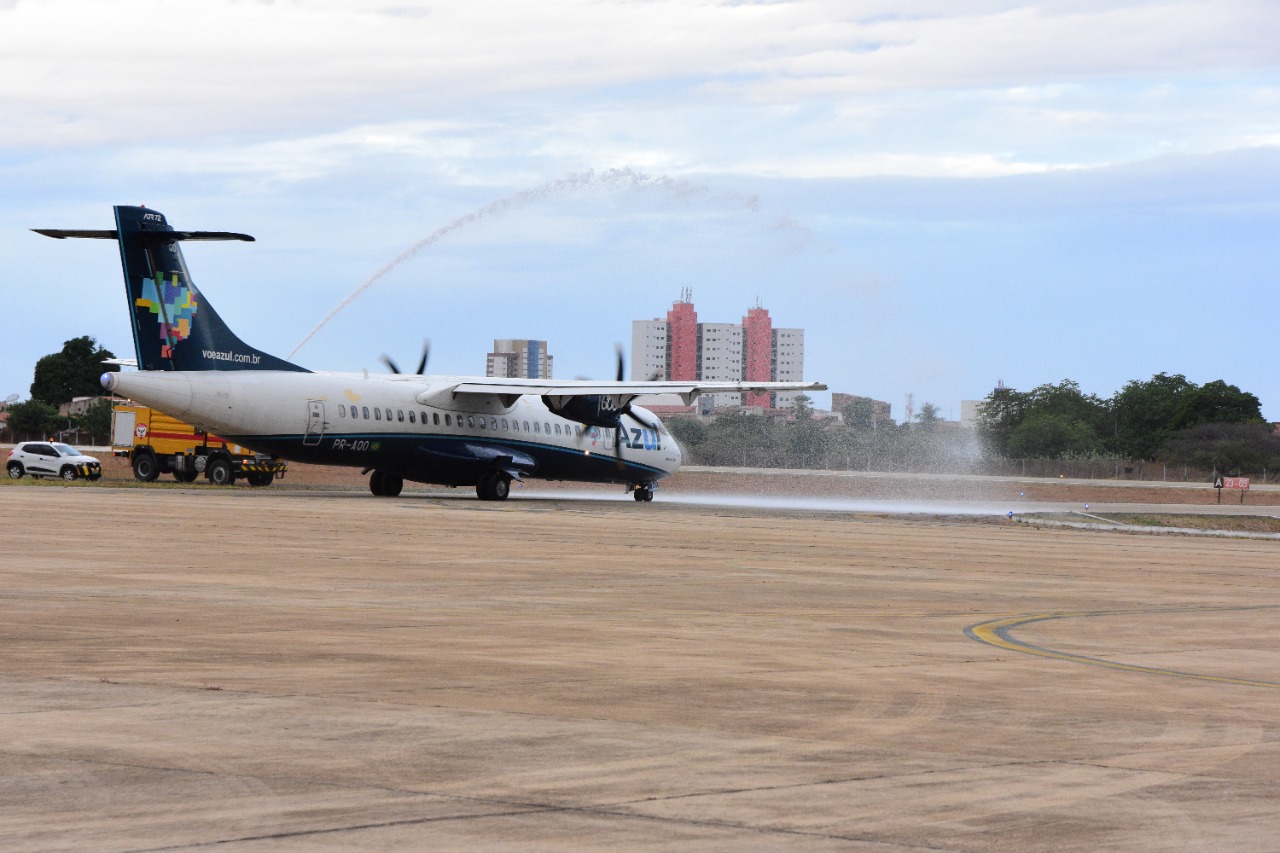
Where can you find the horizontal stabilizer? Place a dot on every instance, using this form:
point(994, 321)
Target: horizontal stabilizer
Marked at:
point(145, 236)
point(63, 233)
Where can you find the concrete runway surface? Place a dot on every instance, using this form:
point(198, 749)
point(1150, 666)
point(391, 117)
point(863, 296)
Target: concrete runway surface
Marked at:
point(255, 670)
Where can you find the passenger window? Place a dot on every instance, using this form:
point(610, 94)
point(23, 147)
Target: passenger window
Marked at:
point(471, 422)
point(411, 417)
point(526, 426)
point(557, 429)
point(436, 417)
point(482, 423)
point(446, 420)
point(388, 414)
point(493, 423)
point(342, 411)
point(547, 428)
point(504, 424)
point(365, 409)
point(537, 427)
point(377, 414)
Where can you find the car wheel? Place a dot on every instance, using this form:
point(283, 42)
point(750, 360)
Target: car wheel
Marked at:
point(220, 473)
point(15, 470)
point(145, 467)
point(67, 472)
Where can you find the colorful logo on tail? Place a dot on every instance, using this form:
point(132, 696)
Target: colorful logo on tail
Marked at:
point(174, 304)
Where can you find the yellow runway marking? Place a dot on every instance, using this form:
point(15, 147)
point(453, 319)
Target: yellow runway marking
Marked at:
point(997, 633)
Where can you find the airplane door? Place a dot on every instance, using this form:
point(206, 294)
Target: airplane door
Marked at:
point(315, 423)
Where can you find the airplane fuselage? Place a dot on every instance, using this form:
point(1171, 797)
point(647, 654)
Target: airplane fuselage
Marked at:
point(409, 424)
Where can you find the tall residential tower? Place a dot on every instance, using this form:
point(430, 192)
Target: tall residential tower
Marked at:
point(679, 348)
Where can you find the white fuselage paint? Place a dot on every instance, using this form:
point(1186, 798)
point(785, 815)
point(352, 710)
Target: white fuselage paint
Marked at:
point(278, 411)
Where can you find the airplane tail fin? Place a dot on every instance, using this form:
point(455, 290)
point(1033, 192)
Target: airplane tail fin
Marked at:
point(174, 325)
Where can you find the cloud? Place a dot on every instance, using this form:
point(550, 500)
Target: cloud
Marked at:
point(81, 73)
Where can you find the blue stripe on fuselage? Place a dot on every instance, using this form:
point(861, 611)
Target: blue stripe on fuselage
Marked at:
point(423, 457)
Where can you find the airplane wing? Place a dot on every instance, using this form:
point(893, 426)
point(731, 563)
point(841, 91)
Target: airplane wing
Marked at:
point(560, 392)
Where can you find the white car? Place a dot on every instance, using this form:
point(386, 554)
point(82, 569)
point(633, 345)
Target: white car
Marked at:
point(51, 459)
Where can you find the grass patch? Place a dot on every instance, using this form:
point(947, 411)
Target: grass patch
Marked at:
point(1247, 523)
point(1186, 521)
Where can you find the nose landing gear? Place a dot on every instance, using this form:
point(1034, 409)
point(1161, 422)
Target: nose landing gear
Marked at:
point(643, 493)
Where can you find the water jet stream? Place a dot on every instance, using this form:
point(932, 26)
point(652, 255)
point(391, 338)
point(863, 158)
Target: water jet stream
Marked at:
point(609, 179)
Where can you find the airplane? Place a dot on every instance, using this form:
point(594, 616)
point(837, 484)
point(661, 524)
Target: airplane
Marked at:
point(449, 430)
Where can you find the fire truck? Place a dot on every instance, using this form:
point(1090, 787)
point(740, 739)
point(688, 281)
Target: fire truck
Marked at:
point(157, 444)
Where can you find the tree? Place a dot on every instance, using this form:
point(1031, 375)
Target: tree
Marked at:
point(73, 372)
point(1075, 420)
point(1226, 447)
point(1052, 436)
point(808, 442)
point(1217, 403)
point(928, 416)
point(998, 415)
point(1145, 413)
point(802, 407)
point(96, 421)
point(860, 414)
point(32, 420)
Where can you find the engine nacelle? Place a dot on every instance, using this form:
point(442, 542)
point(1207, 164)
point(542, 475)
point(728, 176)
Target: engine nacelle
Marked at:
point(594, 410)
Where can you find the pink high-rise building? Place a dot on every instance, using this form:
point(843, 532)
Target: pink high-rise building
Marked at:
point(679, 348)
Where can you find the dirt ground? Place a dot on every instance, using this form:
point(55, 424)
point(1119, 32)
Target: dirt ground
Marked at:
point(274, 669)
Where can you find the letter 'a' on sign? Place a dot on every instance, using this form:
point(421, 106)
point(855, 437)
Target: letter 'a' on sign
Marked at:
point(1217, 482)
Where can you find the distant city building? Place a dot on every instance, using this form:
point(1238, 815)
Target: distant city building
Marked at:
point(519, 359)
point(679, 348)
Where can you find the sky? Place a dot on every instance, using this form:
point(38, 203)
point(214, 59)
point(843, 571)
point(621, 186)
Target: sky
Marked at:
point(942, 195)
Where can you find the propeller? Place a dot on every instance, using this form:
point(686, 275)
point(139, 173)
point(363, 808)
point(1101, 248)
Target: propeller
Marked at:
point(625, 409)
point(422, 364)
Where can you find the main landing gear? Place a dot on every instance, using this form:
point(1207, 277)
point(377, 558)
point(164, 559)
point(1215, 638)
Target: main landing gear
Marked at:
point(384, 484)
point(643, 493)
point(493, 486)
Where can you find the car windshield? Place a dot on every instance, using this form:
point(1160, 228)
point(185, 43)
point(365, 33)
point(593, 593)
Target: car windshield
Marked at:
point(66, 449)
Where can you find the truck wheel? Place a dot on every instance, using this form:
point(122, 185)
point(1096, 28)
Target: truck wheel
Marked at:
point(220, 473)
point(15, 471)
point(67, 472)
point(145, 467)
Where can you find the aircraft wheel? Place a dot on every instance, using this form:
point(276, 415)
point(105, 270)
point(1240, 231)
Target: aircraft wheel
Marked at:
point(643, 494)
point(145, 467)
point(499, 488)
point(15, 471)
point(186, 476)
point(260, 478)
point(384, 484)
point(494, 486)
point(220, 473)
